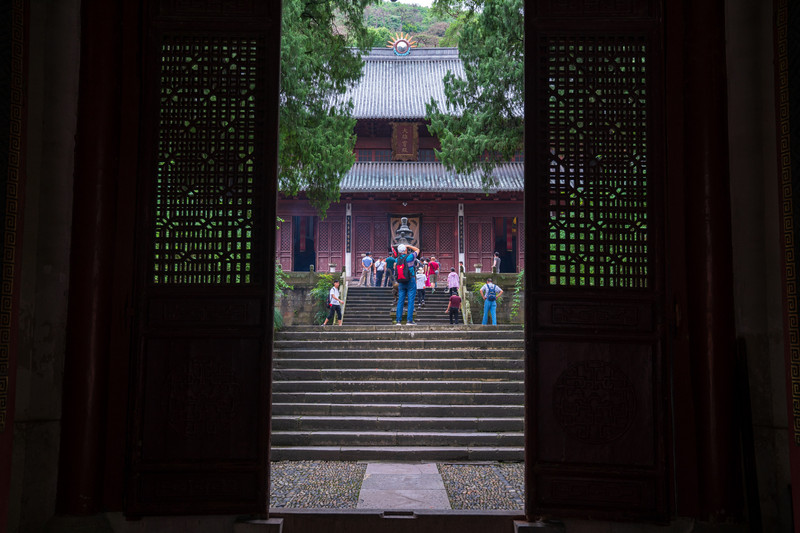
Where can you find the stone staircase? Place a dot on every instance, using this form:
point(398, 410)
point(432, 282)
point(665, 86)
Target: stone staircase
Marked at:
point(374, 306)
point(398, 393)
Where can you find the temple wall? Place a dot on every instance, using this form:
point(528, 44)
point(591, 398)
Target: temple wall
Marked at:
point(756, 246)
point(52, 102)
point(370, 229)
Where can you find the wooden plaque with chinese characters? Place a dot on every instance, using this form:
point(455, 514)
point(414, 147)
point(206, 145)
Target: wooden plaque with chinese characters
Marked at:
point(405, 141)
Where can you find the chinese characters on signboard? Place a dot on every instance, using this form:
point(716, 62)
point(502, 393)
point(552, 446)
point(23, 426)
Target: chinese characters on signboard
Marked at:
point(405, 141)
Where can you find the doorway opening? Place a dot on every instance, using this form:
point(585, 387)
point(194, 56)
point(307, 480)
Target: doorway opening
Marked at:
point(304, 243)
point(506, 242)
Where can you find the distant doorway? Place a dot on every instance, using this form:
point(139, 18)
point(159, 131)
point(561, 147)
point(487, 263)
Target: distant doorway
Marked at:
point(303, 231)
point(505, 242)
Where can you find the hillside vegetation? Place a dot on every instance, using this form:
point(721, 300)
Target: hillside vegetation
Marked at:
point(385, 20)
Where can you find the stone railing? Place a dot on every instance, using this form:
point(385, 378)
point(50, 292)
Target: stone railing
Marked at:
point(466, 311)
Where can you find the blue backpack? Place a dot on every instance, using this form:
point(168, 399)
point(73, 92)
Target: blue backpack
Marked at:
point(491, 295)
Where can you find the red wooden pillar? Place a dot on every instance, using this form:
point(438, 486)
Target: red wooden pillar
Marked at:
point(91, 263)
point(709, 260)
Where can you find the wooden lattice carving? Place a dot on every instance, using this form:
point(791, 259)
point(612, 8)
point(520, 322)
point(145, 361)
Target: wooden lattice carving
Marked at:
point(205, 212)
point(594, 112)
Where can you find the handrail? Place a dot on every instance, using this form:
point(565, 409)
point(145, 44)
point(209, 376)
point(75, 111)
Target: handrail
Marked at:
point(466, 309)
point(343, 285)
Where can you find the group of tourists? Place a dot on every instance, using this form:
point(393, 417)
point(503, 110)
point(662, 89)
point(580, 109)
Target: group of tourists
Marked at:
point(411, 276)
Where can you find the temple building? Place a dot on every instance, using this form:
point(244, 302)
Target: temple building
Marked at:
point(396, 175)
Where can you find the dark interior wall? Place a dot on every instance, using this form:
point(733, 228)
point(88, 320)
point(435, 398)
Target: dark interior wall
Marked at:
point(52, 90)
point(757, 254)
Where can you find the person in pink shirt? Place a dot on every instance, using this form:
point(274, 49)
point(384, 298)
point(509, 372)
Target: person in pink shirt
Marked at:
point(452, 280)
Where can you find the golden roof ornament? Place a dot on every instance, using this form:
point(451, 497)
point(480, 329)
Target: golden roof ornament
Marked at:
point(402, 44)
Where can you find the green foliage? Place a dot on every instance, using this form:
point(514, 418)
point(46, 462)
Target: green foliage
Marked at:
point(481, 124)
point(281, 286)
point(519, 290)
point(316, 139)
point(319, 296)
point(476, 290)
point(380, 36)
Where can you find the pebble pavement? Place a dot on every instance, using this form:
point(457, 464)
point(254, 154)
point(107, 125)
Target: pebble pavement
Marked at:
point(315, 484)
point(336, 485)
point(490, 486)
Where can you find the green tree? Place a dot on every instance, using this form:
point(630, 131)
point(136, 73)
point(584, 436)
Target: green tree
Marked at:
point(316, 137)
point(481, 124)
point(380, 36)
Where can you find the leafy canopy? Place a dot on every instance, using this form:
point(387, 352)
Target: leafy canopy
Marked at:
point(316, 136)
point(481, 124)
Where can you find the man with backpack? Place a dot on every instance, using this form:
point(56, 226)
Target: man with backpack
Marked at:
point(406, 281)
point(490, 293)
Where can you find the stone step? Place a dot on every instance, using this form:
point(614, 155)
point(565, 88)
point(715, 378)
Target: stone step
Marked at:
point(399, 386)
point(340, 375)
point(473, 328)
point(394, 423)
point(346, 353)
point(408, 343)
point(287, 361)
point(397, 453)
point(396, 438)
point(405, 398)
point(396, 409)
point(387, 330)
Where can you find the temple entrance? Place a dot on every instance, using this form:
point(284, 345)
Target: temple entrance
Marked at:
point(304, 242)
point(506, 241)
point(204, 345)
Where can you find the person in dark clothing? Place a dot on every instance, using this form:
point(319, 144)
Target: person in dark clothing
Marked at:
point(453, 305)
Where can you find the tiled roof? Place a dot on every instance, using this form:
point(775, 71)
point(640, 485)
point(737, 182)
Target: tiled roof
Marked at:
point(401, 176)
point(398, 87)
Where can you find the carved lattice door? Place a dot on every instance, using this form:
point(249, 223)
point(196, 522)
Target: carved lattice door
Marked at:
point(201, 365)
point(439, 240)
point(480, 243)
point(330, 240)
point(596, 380)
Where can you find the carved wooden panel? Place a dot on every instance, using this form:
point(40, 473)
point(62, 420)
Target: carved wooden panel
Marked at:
point(219, 10)
point(597, 400)
point(480, 243)
point(596, 408)
point(284, 245)
point(595, 105)
point(329, 247)
point(204, 216)
point(363, 241)
point(199, 428)
point(203, 388)
point(439, 239)
point(594, 8)
point(204, 312)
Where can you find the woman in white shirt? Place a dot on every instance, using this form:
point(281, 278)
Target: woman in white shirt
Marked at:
point(335, 303)
point(421, 278)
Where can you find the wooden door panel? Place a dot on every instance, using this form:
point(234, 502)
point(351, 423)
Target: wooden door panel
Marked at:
point(597, 399)
point(330, 237)
point(480, 243)
point(199, 430)
point(202, 387)
point(284, 245)
point(596, 381)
